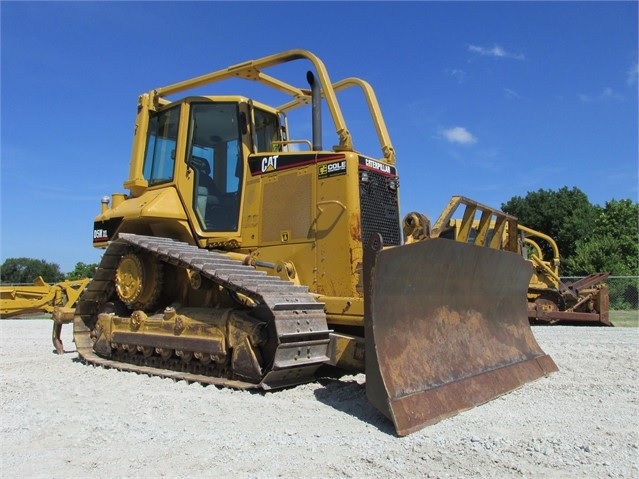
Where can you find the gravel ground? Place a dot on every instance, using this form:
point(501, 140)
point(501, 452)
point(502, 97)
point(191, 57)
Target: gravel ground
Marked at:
point(61, 418)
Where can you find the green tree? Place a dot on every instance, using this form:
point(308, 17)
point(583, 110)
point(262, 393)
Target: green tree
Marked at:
point(26, 270)
point(82, 270)
point(613, 245)
point(565, 215)
point(612, 248)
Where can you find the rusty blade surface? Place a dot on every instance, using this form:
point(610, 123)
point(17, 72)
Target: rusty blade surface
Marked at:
point(446, 330)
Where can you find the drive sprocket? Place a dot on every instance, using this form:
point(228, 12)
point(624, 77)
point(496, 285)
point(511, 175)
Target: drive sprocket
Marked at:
point(138, 281)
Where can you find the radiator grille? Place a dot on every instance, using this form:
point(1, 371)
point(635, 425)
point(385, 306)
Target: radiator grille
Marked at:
point(287, 206)
point(380, 209)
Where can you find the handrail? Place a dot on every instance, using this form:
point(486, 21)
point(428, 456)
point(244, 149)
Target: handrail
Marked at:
point(252, 70)
point(555, 249)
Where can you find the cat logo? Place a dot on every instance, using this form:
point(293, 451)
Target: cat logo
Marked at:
point(269, 163)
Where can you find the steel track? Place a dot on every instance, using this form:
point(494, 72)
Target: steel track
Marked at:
point(300, 322)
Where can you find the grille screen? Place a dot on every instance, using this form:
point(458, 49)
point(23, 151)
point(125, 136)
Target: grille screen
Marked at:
point(280, 213)
point(380, 209)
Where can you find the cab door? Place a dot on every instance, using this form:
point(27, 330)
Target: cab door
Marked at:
point(214, 156)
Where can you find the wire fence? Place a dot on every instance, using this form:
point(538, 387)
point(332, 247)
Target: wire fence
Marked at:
point(622, 290)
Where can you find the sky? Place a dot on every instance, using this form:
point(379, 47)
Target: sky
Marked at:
point(488, 100)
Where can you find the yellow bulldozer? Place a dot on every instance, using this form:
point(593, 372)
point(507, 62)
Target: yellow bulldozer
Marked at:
point(550, 299)
point(553, 301)
point(245, 258)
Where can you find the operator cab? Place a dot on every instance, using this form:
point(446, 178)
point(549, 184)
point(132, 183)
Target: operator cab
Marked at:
point(217, 140)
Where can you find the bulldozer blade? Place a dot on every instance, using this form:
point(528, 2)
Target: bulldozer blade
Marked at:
point(446, 329)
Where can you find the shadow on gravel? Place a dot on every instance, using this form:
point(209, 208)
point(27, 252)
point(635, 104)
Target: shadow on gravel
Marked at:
point(342, 394)
point(350, 398)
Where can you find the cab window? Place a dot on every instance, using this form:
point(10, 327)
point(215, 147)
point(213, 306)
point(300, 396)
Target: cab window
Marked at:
point(214, 154)
point(266, 131)
point(159, 158)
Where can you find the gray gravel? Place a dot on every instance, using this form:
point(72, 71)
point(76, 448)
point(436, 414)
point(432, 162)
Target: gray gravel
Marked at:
point(61, 418)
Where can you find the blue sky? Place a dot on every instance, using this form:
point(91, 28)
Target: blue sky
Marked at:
point(487, 100)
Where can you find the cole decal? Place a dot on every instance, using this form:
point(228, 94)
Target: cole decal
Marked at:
point(332, 169)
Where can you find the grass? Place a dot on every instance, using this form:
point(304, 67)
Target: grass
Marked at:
point(625, 319)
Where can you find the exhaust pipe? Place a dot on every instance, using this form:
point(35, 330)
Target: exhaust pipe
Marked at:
point(316, 107)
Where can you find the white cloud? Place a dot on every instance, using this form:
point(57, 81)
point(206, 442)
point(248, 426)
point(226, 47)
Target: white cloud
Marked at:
point(459, 134)
point(608, 94)
point(496, 51)
point(511, 94)
point(457, 74)
point(633, 74)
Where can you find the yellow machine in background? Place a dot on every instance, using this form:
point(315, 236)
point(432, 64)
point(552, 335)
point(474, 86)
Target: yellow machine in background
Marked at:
point(39, 297)
point(553, 301)
point(57, 299)
point(550, 300)
point(246, 258)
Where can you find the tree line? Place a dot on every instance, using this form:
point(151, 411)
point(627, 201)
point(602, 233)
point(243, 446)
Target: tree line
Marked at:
point(26, 270)
point(590, 238)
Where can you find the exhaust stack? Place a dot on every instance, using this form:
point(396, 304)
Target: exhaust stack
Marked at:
point(316, 106)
